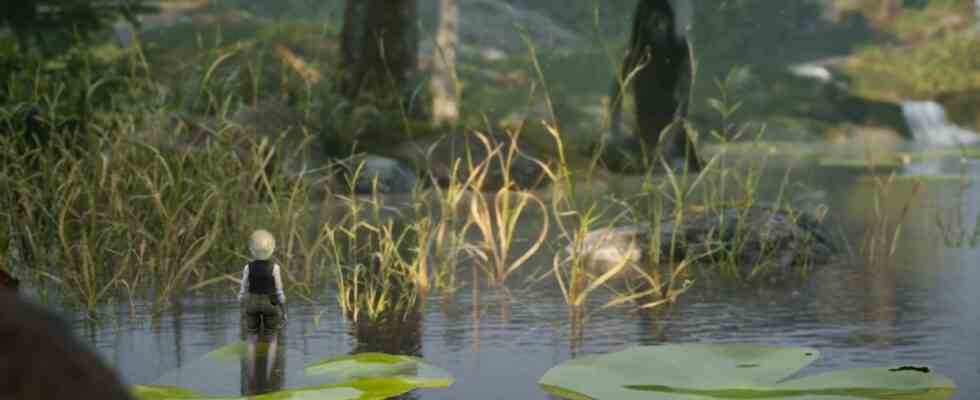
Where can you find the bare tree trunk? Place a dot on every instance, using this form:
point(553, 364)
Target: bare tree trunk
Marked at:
point(445, 91)
point(379, 47)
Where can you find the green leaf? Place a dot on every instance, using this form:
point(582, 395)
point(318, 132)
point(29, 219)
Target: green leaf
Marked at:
point(162, 392)
point(364, 376)
point(732, 371)
point(330, 392)
point(364, 365)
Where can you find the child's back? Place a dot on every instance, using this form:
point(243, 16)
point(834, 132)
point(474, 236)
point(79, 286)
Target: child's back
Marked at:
point(261, 295)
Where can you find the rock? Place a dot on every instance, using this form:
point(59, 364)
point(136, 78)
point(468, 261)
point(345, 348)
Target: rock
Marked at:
point(607, 247)
point(41, 360)
point(437, 156)
point(776, 241)
point(391, 175)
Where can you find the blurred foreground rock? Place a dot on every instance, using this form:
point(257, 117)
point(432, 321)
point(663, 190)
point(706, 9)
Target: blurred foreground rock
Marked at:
point(42, 361)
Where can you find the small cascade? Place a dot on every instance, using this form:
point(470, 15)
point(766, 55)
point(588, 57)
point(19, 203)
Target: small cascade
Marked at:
point(927, 120)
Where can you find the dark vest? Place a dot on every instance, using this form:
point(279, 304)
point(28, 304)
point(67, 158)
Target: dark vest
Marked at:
point(260, 278)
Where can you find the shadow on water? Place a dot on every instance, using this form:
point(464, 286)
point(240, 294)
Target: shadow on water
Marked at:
point(264, 362)
point(393, 332)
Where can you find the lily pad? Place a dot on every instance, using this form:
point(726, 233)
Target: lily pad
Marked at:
point(364, 365)
point(361, 389)
point(365, 376)
point(732, 371)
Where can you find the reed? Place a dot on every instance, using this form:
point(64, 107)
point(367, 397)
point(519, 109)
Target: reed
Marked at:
point(497, 219)
point(380, 263)
point(122, 216)
point(881, 238)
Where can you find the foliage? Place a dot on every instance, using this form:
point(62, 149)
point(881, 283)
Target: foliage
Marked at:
point(361, 376)
point(702, 371)
point(50, 25)
point(947, 65)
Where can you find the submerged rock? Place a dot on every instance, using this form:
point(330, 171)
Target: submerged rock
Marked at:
point(765, 245)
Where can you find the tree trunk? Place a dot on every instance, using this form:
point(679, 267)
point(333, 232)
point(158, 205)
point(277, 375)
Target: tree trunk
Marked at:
point(445, 91)
point(379, 47)
point(658, 58)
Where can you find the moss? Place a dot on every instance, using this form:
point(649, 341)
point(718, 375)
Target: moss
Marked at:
point(908, 23)
point(951, 64)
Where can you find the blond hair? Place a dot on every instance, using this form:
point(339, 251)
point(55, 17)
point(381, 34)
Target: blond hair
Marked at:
point(262, 244)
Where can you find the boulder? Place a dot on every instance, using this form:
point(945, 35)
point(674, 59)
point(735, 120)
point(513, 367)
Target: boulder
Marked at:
point(391, 175)
point(437, 156)
point(766, 245)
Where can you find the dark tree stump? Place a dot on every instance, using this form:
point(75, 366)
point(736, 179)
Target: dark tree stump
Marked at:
point(658, 58)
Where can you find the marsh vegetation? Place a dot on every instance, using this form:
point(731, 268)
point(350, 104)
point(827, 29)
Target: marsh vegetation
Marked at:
point(137, 160)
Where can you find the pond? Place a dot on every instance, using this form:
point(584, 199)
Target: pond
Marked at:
point(919, 307)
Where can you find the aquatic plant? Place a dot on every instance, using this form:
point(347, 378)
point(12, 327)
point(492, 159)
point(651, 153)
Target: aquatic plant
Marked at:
point(881, 238)
point(379, 258)
point(362, 376)
point(572, 272)
point(704, 371)
point(497, 221)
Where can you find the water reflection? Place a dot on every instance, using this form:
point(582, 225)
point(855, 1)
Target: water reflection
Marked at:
point(263, 363)
point(394, 332)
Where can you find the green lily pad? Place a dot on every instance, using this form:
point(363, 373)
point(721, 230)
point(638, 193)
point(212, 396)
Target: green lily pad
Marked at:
point(363, 376)
point(162, 392)
point(732, 371)
point(363, 365)
point(361, 389)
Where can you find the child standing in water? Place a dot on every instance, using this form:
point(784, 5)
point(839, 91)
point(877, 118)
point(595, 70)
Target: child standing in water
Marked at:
point(262, 298)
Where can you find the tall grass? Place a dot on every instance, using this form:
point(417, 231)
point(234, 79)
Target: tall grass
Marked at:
point(380, 262)
point(127, 216)
point(881, 238)
point(496, 221)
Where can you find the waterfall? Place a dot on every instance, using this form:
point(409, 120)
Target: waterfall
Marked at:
point(927, 120)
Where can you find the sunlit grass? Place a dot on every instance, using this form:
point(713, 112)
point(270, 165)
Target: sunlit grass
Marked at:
point(130, 215)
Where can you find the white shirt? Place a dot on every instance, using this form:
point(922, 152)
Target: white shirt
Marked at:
point(275, 274)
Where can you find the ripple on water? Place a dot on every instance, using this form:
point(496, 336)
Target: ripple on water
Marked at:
point(496, 346)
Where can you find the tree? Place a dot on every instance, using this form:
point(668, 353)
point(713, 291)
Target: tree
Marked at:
point(445, 95)
point(378, 49)
point(658, 66)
